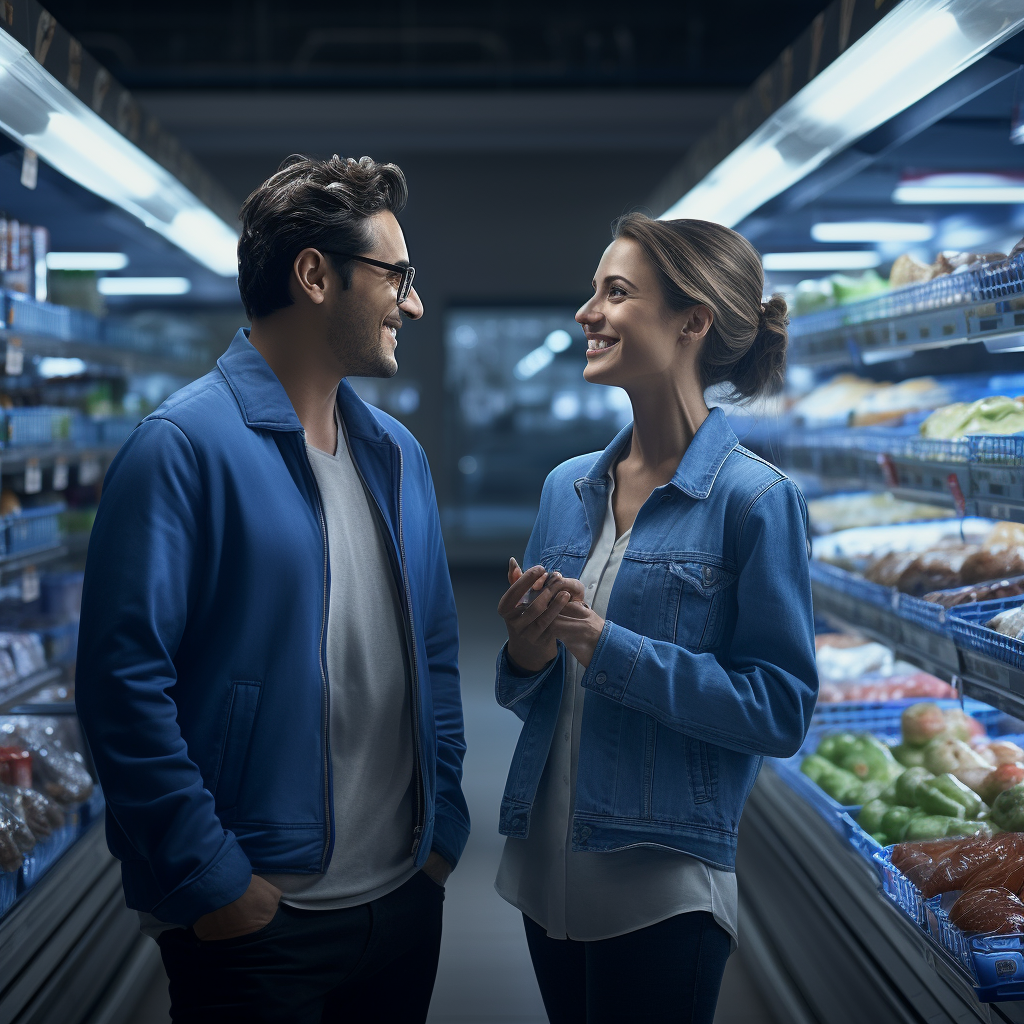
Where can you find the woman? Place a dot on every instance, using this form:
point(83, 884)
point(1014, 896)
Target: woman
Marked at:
point(662, 645)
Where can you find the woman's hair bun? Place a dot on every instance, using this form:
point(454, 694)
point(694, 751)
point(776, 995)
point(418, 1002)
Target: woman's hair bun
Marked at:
point(761, 370)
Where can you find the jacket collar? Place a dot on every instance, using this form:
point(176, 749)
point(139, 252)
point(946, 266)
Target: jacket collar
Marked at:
point(699, 466)
point(265, 403)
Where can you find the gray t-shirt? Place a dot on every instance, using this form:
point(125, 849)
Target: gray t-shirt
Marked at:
point(592, 896)
point(371, 711)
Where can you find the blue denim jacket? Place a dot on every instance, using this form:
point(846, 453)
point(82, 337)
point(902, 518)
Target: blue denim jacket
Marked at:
point(706, 662)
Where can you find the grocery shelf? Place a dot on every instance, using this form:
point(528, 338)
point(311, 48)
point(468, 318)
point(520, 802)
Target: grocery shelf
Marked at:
point(12, 695)
point(827, 944)
point(976, 306)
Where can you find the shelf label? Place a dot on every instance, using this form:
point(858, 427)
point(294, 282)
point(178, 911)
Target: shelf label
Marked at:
point(14, 361)
point(953, 483)
point(60, 474)
point(30, 584)
point(88, 471)
point(888, 468)
point(33, 477)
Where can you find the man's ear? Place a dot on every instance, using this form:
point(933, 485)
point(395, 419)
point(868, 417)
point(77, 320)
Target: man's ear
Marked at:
point(309, 276)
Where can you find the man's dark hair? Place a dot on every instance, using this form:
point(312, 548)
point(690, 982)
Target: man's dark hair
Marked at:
point(310, 204)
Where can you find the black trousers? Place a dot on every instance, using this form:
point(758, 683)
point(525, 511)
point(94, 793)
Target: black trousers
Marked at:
point(671, 971)
point(373, 963)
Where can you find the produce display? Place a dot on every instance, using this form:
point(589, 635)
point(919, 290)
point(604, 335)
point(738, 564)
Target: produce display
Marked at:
point(944, 778)
point(997, 414)
point(847, 399)
point(842, 511)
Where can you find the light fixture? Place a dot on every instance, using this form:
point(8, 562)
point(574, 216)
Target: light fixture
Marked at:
point(916, 47)
point(42, 115)
point(533, 362)
point(86, 261)
point(966, 188)
point(846, 259)
point(143, 286)
point(871, 231)
point(558, 341)
point(60, 366)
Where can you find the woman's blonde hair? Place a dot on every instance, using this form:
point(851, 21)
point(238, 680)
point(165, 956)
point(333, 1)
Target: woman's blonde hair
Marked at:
point(699, 262)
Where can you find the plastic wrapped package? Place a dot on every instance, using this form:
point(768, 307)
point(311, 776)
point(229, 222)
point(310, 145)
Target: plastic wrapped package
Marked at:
point(15, 766)
point(992, 911)
point(952, 869)
point(936, 569)
point(41, 814)
point(58, 768)
point(844, 663)
point(1005, 874)
point(1009, 623)
point(975, 592)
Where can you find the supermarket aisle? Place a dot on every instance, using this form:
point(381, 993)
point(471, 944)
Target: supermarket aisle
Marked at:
point(485, 975)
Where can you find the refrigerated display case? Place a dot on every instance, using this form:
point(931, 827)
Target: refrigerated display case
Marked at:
point(906, 291)
point(91, 191)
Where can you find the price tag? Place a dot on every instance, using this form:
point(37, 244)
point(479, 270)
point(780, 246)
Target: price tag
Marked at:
point(60, 474)
point(33, 477)
point(953, 483)
point(14, 361)
point(888, 468)
point(88, 471)
point(30, 584)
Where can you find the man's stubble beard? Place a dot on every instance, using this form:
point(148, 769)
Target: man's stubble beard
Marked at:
point(357, 342)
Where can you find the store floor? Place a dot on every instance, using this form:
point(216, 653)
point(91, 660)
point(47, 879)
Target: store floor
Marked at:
point(485, 975)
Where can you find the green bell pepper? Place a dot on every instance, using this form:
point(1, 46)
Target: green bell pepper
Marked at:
point(952, 787)
point(835, 745)
point(909, 783)
point(896, 820)
point(908, 756)
point(931, 799)
point(1008, 809)
point(927, 826)
point(871, 815)
point(867, 758)
point(969, 828)
point(813, 766)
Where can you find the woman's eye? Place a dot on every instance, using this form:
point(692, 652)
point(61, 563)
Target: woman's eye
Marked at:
point(615, 290)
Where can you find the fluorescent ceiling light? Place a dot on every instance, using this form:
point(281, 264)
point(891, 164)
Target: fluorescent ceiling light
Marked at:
point(533, 362)
point(41, 114)
point(144, 285)
point(558, 341)
point(960, 188)
point(871, 231)
point(843, 260)
point(914, 49)
point(86, 261)
point(60, 366)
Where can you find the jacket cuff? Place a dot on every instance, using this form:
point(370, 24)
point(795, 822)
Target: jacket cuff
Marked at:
point(449, 838)
point(511, 687)
point(223, 882)
point(613, 662)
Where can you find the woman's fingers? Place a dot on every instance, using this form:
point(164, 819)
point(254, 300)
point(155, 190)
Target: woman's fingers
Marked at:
point(514, 572)
point(516, 592)
point(540, 624)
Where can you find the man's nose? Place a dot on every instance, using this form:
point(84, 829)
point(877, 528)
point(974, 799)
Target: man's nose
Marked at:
point(413, 305)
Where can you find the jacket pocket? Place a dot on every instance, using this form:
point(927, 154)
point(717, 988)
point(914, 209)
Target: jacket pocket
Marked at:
point(245, 699)
point(693, 603)
point(702, 768)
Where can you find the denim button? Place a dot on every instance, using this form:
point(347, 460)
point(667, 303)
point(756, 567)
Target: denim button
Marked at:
point(601, 678)
point(585, 832)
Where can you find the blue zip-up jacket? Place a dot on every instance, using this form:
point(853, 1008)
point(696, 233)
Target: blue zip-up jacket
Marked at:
point(706, 661)
point(202, 680)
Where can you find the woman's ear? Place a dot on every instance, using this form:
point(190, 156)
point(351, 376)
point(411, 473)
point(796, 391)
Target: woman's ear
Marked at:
point(697, 323)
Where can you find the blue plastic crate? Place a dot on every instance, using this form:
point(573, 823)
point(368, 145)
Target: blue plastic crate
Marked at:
point(8, 890)
point(883, 717)
point(33, 529)
point(966, 624)
point(48, 851)
point(40, 424)
point(853, 585)
point(1001, 449)
point(993, 964)
point(926, 614)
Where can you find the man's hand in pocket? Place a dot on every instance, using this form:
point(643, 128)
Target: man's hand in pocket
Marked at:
point(253, 910)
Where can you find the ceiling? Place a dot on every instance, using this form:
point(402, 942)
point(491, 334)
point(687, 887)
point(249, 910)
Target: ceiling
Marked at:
point(443, 44)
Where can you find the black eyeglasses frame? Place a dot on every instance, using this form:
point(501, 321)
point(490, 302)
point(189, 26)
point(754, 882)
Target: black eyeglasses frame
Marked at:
point(408, 273)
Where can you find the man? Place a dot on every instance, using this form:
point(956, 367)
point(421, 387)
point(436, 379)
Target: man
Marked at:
point(267, 670)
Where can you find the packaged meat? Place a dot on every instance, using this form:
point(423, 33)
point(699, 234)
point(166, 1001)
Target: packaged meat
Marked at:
point(1004, 873)
point(936, 569)
point(41, 814)
point(63, 777)
point(918, 860)
point(1010, 587)
point(992, 911)
point(954, 867)
point(1009, 623)
point(20, 833)
point(58, 769)
point(888, 568)
point(15, 766)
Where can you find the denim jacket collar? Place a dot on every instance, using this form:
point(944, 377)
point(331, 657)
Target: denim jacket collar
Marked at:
point(700, 463)
point(265, 403)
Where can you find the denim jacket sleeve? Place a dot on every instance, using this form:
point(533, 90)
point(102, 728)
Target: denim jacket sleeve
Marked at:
point(512, 690)
point(758, 699)
point(441, 635)
point(143, 553)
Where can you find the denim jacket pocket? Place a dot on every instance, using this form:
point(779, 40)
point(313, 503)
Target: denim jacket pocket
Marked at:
point(245, 698)
point(693, 603)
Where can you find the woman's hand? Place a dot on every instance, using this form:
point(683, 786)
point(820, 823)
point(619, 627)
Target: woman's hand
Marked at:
point(531, 644)
point(579, 627)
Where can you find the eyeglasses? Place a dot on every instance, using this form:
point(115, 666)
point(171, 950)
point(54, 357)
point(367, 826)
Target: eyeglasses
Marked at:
point(405, 273)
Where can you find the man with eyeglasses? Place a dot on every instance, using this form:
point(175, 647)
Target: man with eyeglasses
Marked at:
point(268, 663)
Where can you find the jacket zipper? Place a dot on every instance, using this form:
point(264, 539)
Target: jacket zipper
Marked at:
point(326, 699)
point(420, 799)
point(417, 832)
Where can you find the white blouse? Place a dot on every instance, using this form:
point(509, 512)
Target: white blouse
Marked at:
point(590, 896)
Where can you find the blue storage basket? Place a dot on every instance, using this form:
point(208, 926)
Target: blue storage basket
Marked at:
point(48, 851)
point(34, 529)
point(966, 624)
point(853, 585)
